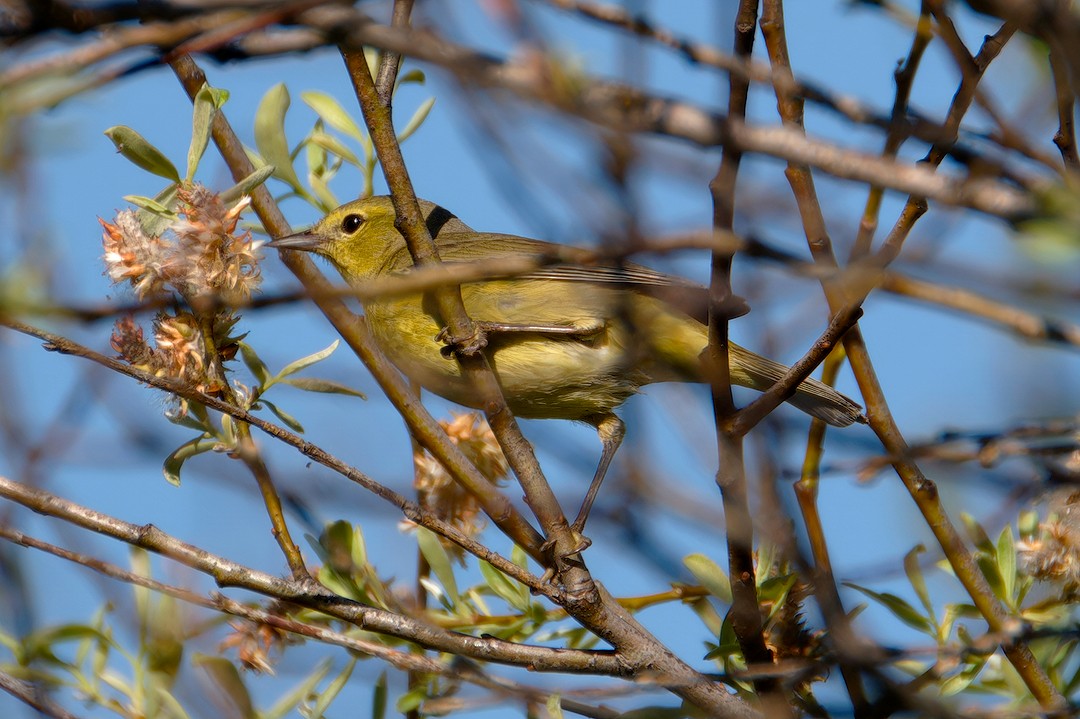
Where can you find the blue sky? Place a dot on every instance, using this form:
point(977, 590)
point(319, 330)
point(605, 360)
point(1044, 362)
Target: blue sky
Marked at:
point(939, 371)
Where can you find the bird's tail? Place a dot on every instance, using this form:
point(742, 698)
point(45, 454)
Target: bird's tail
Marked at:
point(815, 398)
point(678, 345)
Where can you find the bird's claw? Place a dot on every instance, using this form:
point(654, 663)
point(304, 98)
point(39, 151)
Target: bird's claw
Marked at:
point(466, 346)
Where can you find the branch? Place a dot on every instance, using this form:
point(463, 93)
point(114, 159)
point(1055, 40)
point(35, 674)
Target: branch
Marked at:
point(356, 333)
point(227, 573)
point(412, 511)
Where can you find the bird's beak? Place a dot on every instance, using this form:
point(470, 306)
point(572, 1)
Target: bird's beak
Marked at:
point(307, 241)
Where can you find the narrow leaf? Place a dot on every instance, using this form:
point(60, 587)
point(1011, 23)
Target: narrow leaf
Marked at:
point(202, 117)
point(915, 576)
point(900, 608)
point(230, 684)
point(417, 119)
point(246, 185)
point(1006, 560)
point(136, 148)
point(978, 535)
point(270, 135)
point(254, 363)
point(438, 560)
point(297, 365)
point(154, 223)
point(290, 421)
point(710, 575)
point(378, 698)
point(328, 695)
point(412, 76)
point(316, 155)
point(173, 463)
point(314, 384)
point(411, 699)
point(333, 113)
point(508, 589)
point(334, 145)
point(150, 205)
point(321, 189)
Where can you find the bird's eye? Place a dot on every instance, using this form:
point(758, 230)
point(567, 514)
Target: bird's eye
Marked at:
point(351, 223)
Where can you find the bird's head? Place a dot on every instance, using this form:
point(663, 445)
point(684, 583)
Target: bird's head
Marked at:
point(360, 238)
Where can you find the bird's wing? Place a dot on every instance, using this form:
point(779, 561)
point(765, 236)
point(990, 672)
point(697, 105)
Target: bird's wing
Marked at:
point(574, 265)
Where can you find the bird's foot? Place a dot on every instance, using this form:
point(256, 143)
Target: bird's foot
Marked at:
point(465, 346)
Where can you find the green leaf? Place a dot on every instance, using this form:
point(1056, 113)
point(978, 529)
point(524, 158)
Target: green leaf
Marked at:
point(328, 695)
point(150, 205)
point(333, 113)
point(327, 200)
point(978, 535)
point(412, 76)
point(378, 698)
point(336, 542)
point(140, 566)
point(173, 463)
point(775, 590)
point(706, 612)
point(223, 674)
point(957, 683)
point(915, 576)
point(1006, 561)
point(710, 575)
point(335, 146)
point(357, 548)
point(136, 148)
point(290, 421)
point(519, 557)
point(1028, 524)
point(411, 699)
point(154, 223)
point(172, 707)
point(39, 644)
point(314, 384)
point(510, 590)
point(205, 106)
point(297, 365)
point(554, 706)
point(417, 119)
point(438, 560)
point(227, 436)
point(254, 363)
point(247, 184)
point(900, 608)
point(316, 155)
point(270, 135)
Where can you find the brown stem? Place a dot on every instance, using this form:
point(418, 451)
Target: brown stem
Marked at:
point(745, 615)
point(922, 490)
point(1065, 137)
point(905, 80)
point(307, 594)
point(357, 335)
point(587, 601)
point(390, 60)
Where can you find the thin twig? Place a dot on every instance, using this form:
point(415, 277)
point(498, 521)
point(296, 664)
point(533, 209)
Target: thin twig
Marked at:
point(356, 333)
point(311, 595)
point(412, 511)
point(746, 619)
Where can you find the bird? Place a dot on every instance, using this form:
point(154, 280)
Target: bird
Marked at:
point(572, 339)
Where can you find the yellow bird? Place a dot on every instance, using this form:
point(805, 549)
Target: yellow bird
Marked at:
point(566, 341)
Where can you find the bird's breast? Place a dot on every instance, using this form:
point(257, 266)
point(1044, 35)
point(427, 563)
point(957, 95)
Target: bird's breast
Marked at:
point(541, 375)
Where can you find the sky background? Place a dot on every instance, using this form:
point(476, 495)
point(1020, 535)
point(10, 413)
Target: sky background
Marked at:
point(939, 371)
